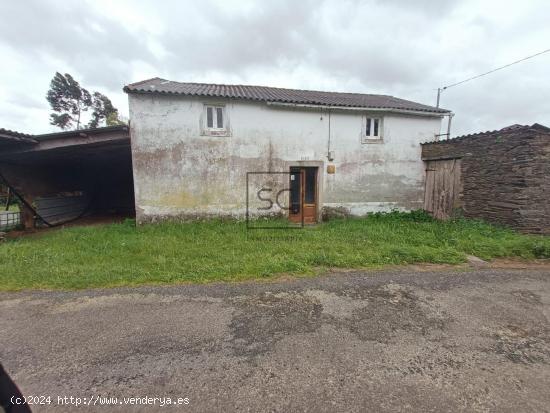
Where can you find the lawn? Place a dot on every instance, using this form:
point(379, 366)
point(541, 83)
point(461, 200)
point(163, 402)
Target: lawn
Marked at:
point(121, 254)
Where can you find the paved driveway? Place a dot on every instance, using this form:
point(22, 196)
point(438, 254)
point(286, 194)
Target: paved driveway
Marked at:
point(387, 341)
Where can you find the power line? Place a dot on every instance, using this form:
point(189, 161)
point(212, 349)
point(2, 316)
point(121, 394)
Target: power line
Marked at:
point(498, 68)
point(439, 90)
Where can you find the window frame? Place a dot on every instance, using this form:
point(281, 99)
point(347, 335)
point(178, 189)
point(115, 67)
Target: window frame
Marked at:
point(370, 120)
point(215, 130)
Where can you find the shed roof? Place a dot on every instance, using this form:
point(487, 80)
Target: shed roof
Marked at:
point(81, 132)
point(508, 130)
point(11, 140)
point(279, 95)
point(67, 145)
point(9, 137)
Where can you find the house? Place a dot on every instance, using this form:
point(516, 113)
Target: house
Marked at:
point(501, 176)
point(206, 150)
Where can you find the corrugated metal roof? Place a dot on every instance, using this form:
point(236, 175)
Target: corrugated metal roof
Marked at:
point(11, 137)
point(280, 95)
point(80, 132)
point(512, 129)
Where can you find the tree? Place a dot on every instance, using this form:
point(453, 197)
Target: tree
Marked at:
point(114, 119)
point(68, 100)
point(103, 110)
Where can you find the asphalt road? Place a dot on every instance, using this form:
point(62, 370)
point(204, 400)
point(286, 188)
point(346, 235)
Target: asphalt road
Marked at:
point(476, 340)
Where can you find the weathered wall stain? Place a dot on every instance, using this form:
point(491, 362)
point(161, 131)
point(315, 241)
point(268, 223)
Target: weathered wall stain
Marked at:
point(180, 172)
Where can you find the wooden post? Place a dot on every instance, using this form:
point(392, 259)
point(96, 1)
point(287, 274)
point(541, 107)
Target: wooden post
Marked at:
point(8, 199)
point(27, 215)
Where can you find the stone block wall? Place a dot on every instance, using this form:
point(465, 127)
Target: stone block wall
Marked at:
point(505, 175)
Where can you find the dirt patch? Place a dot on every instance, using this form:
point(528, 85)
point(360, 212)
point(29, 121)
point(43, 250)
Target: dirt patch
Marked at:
point(519, 263)
point(81, 222)
point(528, 297)
point(522, 345)
point(266, 318)
point(391, 310)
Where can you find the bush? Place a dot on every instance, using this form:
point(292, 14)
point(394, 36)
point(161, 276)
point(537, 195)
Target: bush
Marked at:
point(417, 215)
point(541, 250)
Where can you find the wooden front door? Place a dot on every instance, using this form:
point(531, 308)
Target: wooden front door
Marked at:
point(443, 187)
point(303, 195)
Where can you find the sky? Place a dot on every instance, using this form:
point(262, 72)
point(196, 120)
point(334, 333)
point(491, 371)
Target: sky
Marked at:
point(396, 47)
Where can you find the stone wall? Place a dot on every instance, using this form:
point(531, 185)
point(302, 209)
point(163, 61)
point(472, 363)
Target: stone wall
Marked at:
point(505, 174)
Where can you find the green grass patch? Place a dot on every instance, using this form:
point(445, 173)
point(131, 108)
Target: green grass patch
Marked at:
point(122, 254)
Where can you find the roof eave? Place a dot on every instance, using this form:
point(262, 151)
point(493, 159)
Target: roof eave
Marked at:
point(431, 113)
point(81, 132)
point(17, 139)
point(441, 112)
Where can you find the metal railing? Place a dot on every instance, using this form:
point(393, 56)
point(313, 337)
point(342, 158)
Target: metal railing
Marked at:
point(9, 220)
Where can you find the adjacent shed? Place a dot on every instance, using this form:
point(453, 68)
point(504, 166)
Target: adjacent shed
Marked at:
point(62, 176)
point(500, 176)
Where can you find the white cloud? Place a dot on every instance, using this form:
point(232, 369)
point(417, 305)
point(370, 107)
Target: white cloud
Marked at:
point(396, 47)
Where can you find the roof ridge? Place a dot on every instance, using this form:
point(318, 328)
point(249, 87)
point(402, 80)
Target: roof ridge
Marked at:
point(144, 81)
point(272, 87)
point(507, 130)
point(15, 133)
point(488, 132)
point(99, 129)
point(540, 127)
point(280, 94)
point(504, 131)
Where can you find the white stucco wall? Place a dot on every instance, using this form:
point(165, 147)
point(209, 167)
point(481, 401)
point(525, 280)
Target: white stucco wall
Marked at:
point(180, 172)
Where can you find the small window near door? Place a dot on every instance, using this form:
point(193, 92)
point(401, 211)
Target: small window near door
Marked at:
point(311, 183)
point(215, 120)
point(372, 130)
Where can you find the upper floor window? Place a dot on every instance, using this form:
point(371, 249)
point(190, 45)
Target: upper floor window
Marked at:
point(214, 121)
point(372, 130)
point(215, 117)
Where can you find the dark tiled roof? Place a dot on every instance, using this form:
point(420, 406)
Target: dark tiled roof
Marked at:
point(11, 137)
point(508, 130)
point(273, 94)
point(15, 134)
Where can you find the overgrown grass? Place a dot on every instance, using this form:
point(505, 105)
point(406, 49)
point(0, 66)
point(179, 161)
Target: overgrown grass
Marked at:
point(121, 254)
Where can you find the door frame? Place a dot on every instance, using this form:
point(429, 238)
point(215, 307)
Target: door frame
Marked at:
point(443, 187)
point(319, 183)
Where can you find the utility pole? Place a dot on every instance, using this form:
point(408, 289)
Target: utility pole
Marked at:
point(449, 125)
point(450, 114)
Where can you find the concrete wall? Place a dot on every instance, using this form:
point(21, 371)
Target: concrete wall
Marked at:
point(505, 176)
point(181, 172)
